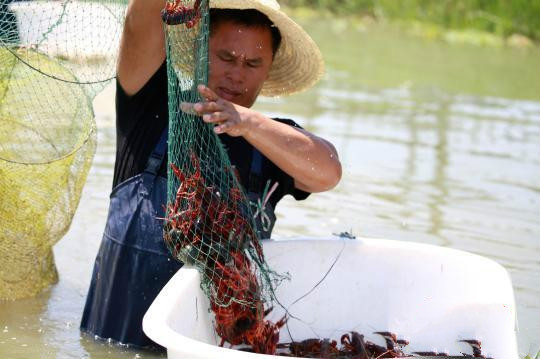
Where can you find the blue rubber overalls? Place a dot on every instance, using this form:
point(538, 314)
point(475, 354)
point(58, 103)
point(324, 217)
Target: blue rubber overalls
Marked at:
point(133, 263)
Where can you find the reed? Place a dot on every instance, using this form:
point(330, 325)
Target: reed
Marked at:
point(501, 17)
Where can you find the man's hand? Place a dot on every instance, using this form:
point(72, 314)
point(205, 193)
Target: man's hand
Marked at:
point(228, 117)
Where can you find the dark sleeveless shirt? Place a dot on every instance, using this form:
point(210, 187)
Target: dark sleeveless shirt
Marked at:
point(140, 120)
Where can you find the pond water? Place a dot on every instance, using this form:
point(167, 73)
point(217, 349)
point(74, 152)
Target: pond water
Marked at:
point(439, 143)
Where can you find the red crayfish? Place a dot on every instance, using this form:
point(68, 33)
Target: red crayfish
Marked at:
point(176, 13)
point(212, 230)
point(354, 346)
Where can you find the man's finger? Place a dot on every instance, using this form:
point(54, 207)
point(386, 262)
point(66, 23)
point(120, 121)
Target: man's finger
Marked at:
point(221, 128)
point(200, 108)
point(207, 93)
point(207, 107)
point(188, 108)
point(215, 117)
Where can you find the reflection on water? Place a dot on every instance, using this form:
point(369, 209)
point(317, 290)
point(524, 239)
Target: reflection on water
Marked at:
point(424, 160)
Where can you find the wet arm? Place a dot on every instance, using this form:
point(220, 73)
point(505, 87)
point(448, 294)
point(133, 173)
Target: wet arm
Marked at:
point(312, 161)
point(142, 46)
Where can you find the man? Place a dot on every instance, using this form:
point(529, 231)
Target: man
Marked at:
point(251, 51)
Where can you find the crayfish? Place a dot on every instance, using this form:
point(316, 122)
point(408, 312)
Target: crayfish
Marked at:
point(354, 346)
point(203, 218)
point(210, 229)
point(176, 13)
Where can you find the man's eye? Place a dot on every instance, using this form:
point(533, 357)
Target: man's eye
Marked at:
point(226, 58)
point(254, 64)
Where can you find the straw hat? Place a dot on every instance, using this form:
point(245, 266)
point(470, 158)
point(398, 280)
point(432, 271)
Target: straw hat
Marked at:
point(298, 63)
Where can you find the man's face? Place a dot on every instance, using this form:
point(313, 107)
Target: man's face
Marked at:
point(240, 59)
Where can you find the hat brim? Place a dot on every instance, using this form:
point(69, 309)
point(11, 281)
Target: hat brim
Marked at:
point(298, 63)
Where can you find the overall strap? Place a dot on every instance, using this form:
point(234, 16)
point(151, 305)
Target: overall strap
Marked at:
point(255, 174)
point(153, 164)
point(258, 194)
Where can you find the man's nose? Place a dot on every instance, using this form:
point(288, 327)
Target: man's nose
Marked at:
point(236, 71)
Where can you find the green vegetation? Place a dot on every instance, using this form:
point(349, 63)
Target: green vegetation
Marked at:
point(500, 17)
point(529, 356)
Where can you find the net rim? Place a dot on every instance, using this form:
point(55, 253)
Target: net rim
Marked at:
point(91, 134)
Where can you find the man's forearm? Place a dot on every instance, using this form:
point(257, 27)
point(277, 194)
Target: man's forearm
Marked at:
point(312, 161)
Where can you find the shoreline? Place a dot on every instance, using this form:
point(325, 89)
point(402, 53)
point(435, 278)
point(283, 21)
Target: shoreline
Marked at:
point(423, 29)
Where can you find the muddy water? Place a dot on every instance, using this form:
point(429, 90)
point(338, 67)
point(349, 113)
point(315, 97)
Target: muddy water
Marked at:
point(439, 143)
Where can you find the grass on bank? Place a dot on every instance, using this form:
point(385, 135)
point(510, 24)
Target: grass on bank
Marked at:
point(500, 17)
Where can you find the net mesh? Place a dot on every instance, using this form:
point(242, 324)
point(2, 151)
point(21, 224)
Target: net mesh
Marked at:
point(209, 223)
point(55, 56)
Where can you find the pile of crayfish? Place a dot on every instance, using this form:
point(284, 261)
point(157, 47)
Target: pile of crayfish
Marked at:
point(354, 345)
point(212, 231)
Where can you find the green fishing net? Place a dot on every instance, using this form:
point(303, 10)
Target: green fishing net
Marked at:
point(209, 223)
point(55, 56)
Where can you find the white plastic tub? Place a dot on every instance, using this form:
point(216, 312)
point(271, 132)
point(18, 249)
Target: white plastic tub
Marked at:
point(431, 296)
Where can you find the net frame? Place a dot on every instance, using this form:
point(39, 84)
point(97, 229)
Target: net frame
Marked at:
point(53, 62)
